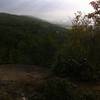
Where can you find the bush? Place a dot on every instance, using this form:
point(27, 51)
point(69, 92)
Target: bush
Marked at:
point(88, 95)
point(79, 70)
point(55, 89)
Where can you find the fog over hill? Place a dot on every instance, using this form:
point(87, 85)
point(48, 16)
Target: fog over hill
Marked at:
point(51, 10)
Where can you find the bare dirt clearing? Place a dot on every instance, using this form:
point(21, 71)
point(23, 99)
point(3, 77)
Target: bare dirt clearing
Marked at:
point(36, 74)
point(22, 72)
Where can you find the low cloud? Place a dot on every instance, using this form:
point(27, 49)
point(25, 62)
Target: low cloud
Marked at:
point(46, 9)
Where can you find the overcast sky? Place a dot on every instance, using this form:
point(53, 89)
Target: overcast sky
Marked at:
point(52, 10)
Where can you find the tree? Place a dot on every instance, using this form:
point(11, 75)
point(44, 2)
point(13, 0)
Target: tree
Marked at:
point(81, 23)
point(96, 14)
point(84, 23)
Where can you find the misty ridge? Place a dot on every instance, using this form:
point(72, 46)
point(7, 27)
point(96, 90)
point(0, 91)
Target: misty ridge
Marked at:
point(46, 55)
point(50, 10)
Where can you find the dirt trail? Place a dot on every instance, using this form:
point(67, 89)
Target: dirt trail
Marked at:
point(27, 72)
point(22, 72)
point(89, 86)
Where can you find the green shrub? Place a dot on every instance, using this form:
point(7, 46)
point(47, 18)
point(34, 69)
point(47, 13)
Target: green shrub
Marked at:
point(55, 89)
point(79, 70)
point(87, 95)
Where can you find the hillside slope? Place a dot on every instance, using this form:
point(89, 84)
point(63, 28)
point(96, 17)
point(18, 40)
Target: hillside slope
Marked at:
point(27, 40)
point(28, 24)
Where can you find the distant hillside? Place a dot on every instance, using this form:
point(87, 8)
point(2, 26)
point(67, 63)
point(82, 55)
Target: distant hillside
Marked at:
point(28, 40)
point(27, 23)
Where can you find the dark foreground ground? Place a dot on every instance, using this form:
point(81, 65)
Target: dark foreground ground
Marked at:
point(16, 79)
point(19, 81)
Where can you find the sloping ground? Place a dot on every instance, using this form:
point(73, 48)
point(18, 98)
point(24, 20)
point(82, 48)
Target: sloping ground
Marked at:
point(89, 86)
point(11, 72)
point(21, 72)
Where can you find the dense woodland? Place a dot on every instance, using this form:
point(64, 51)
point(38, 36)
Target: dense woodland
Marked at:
point(27, 40)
